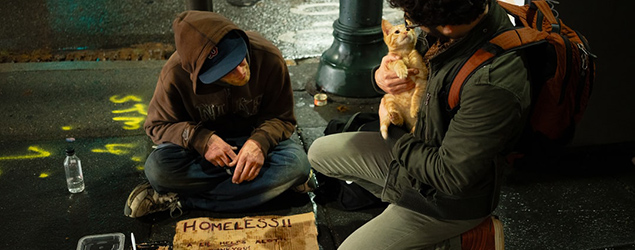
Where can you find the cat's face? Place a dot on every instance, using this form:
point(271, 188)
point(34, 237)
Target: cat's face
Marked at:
point(239, 76)
point(398, 36)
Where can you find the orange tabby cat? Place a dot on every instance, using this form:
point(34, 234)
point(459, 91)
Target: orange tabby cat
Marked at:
point(403, 107)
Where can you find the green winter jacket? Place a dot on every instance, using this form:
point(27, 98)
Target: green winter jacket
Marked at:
point(451, 167)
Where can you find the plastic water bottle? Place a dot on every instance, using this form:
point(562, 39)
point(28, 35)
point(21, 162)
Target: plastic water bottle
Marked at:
point(73, 169)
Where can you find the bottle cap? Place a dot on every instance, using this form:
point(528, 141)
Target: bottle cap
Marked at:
point(70, 151)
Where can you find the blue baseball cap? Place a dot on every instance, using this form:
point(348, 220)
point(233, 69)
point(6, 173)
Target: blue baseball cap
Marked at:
point(224, 57)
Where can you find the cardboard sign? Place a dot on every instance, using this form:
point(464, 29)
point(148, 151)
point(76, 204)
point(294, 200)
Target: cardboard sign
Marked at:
point(294, 232)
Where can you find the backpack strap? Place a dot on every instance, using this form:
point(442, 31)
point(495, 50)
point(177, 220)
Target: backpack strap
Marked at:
point(350, 121)
point(546, 10)
point(519, 12)
point(534, 15)
point(506, 41)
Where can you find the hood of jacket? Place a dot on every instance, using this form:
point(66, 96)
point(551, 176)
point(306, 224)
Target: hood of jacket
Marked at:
point(195, 34)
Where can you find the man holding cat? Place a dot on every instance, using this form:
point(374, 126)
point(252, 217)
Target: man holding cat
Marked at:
point(221, 114)
point(443, 180)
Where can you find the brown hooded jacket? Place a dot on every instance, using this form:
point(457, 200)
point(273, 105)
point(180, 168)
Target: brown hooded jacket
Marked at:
point(186, 112)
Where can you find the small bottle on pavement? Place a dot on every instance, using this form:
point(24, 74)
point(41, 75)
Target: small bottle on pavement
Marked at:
point(73, 169)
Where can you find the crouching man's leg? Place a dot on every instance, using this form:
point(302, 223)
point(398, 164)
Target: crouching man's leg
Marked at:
point(400, 228)
point(361, 157)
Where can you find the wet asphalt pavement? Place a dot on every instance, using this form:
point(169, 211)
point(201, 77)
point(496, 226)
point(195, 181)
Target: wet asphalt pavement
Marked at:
point(583, 200)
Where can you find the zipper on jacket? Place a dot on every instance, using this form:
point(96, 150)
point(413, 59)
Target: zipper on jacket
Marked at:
point(426, 124)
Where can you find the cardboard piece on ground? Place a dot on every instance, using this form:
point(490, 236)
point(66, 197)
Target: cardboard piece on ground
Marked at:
point(294, 232)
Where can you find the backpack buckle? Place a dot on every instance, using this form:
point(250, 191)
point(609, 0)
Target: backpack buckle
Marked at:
point(584, 56)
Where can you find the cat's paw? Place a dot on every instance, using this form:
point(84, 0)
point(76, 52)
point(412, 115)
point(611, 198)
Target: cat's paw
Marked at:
point(400, 68)
point(402, 72)
point(395, 118)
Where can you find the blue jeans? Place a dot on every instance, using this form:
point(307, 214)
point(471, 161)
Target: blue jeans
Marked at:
point(202, 185)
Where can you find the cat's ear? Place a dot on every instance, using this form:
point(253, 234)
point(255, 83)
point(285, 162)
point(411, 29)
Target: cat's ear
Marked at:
point(408, 22)
point(385, 26)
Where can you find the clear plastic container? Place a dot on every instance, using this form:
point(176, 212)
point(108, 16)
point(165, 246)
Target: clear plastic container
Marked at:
point(112, 241)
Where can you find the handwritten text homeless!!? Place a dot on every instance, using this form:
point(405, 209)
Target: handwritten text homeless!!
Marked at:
point(246, 223)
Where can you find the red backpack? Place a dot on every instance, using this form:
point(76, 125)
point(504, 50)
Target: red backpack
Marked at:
point(560, 64)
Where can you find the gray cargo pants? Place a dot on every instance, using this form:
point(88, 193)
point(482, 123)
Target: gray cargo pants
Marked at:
point(363, 157)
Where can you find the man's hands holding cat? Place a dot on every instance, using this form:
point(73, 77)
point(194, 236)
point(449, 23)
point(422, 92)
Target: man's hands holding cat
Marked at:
point(247, 162)
point(388, 80)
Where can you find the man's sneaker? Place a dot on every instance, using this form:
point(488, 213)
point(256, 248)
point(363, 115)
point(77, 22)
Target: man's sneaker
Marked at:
point(143, 200)
point(309, 186)
point(486, 236)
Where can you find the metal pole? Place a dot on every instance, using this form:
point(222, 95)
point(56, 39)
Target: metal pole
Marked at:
point(204, 5)
point(358, 46)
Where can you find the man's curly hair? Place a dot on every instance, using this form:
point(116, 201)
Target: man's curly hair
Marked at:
point(432, 13)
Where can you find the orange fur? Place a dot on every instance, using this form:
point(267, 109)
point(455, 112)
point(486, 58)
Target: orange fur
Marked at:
point(403, 107)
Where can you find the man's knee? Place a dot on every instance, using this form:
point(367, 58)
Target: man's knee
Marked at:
point(156, 174)
point(165, 162)
point(292, 156)
point(316, 154)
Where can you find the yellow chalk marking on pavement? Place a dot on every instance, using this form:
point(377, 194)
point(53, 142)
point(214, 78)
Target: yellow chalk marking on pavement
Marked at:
point(114, 148)
point(44, 175)
point(117, 99)
point(132, 123)
point(67, 128)
point(139, 108)
point(40, 153)
point(138, 159)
